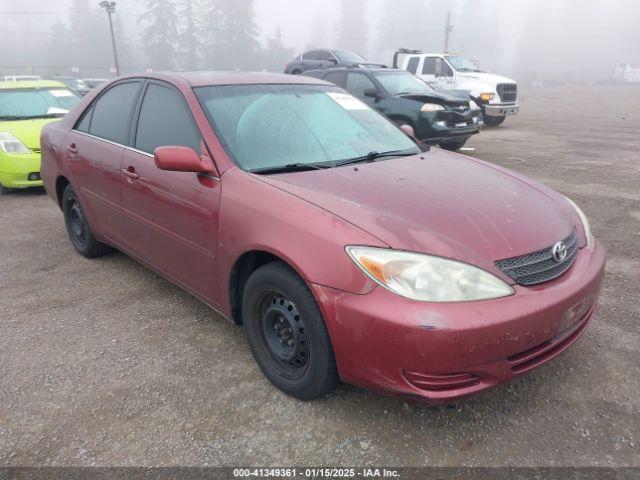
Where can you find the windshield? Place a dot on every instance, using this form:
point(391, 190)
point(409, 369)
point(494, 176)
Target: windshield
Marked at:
point(268, 126)
point(36, 102)
point(401, 83)
point(348, 56)
point(462, 64)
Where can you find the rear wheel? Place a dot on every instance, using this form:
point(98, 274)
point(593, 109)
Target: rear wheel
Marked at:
point(296, 72)
point(493, 121)
point(453, 144)
point(287, 334)
point(78, 228)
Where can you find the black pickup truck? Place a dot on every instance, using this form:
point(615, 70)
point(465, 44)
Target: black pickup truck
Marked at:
point(440, 118)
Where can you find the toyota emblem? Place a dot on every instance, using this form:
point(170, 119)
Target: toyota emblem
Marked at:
point(559, 252)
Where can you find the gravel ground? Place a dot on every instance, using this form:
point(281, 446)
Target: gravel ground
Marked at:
point(102, 362)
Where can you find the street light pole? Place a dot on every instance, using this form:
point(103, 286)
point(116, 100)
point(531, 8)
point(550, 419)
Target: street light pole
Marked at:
point(448, 28)
point(110, 8)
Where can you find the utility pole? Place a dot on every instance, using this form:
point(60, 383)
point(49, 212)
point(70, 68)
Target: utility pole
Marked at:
point(110, 8)
point(448, 28)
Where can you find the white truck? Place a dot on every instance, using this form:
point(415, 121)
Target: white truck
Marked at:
point(496, 95)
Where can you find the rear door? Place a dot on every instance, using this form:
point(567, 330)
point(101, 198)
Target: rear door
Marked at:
point(171, 216)
point(94, 151)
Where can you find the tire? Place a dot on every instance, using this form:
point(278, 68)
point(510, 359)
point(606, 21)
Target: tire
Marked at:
point(287, 334)
point(296, 72)
point(453, 145)
point(493, 121)
point(78, 228)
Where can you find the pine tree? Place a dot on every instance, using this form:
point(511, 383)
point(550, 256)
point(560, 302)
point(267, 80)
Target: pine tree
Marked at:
point(353, 26)
point(88, 36)
point(160, 34)
point(276, 55)
point(189, 44)
point(229, 35)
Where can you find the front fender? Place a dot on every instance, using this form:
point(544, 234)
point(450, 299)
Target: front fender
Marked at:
point(257, 216)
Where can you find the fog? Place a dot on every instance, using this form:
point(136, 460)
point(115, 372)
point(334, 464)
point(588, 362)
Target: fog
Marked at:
point(541, 40)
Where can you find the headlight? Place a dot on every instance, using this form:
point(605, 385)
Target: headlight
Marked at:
point(585, 222)
point(473, 105)
point(10, 144)
point(486, 97)
point(426, 278)
point(431, 107)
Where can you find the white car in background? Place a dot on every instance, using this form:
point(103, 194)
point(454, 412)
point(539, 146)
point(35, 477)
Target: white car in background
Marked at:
point(497, 96)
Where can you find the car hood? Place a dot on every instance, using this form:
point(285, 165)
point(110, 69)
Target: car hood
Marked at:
point(27, 131)
point(439, 203)
point(440, 97)
point(487, 78)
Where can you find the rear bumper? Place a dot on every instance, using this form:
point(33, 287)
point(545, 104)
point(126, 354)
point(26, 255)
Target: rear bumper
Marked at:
point(434, 352)
point(15, 170)
point(501, 110)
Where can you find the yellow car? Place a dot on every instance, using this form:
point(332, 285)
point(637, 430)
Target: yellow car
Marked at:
point(25, 107)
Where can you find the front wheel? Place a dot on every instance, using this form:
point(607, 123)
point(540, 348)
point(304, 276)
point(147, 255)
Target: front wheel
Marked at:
point(78, 228)
point(493, 121)
point(5, 191)
point(287, 334)
point(453, 145)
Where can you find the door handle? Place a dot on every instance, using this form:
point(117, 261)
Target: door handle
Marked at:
point(73, 150)
point(130, 172)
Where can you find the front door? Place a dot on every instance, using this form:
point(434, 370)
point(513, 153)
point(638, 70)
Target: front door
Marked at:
point(171, 217)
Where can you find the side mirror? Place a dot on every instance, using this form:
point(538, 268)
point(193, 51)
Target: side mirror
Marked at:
point(180, 159)
point(372, 92)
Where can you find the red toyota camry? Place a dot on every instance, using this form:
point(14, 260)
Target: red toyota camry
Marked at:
point(345, 249)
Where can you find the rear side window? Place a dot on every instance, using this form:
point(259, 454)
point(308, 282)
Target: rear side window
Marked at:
point(165, 120)
point(112, 112)
point(338, 78)
point(313, 55)
point(412, 66)
point(429, 67)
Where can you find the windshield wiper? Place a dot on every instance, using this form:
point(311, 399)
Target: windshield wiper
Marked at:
point(373, 156)
point(45, 115)
point(10, 117)
point(291, 167)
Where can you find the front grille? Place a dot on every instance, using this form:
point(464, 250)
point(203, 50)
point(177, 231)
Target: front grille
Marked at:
point(540, 266)
point(508, 92)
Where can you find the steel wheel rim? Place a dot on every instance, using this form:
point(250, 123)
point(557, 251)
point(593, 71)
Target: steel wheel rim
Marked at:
point(284, 334)
point(77, 222)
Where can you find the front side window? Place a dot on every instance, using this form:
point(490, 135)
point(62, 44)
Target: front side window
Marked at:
point(429, 66)
point(348, 56)
point(402, 83)
point(326, 56)
point(165, 120)
point(357, 84)
point(268, 126)
point(24, 103)
point(112, 113)
point(412, 66)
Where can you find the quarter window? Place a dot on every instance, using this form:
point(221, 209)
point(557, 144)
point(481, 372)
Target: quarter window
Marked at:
point(165, 120)
point(112, 113)
point(429, 67)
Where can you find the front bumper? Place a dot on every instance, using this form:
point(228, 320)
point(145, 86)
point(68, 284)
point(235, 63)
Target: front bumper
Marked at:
point(436, 127)
point(501, 109)
point(435, 352)
point(16, 169)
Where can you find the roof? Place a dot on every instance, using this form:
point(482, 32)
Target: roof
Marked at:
point(357, 69)
point(202, 79)
point(18, 84)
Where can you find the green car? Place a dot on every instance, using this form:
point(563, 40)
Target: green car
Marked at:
point(25, 107)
